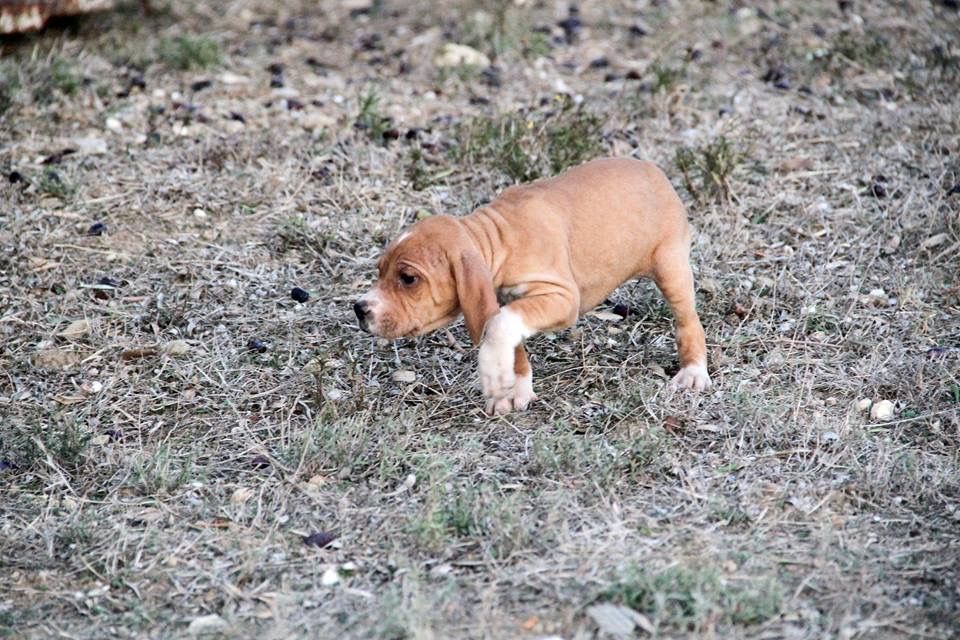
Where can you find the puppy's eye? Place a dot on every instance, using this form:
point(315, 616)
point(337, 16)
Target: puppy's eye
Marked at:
point(408, 279)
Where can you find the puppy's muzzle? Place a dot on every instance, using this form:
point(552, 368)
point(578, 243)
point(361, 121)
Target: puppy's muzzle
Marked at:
point(362, 309)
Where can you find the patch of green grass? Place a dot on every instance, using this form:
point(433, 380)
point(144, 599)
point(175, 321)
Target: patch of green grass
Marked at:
point(64, 76)
point(569, 454)
point(870, 49)
point(161, 471)
point(293, 233)
point(498, 27)
point(824, 322)
point(59, 77)
point(692, 597)
point(944, 61)
point(189, 52)
point(66, 445)
point(9, 86)
point(357, 449)
point(707, 169)
point(525, 147)
point(370, 119)
point(454, 511)
point(953, 392)
point(665, 77)
point(419, 173)
point(52, 183)
point(73, 535)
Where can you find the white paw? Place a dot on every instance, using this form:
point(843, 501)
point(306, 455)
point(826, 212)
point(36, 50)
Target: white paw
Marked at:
point(496, 370)
point(692, 376)
point(518, 399)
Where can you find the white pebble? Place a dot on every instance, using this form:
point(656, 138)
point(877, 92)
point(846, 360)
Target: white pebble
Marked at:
point(882, 410)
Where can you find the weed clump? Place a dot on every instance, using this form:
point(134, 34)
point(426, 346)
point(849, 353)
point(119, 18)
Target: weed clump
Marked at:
point(528, 146)
point(689, 597)
point(187, 52)
point(707, 169)
point(9, 87)
point(370, 119)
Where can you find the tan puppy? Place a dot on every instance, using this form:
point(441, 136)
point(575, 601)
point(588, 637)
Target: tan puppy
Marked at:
point(547, 252)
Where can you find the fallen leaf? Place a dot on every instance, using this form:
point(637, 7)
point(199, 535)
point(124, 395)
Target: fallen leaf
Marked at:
point(799, 163)
point(77, 329)
point(56, 359)
point(619, 620)
point(207, 625)
point(530, 623)
point(607, 316)
point(134, 354)
point(241, 495)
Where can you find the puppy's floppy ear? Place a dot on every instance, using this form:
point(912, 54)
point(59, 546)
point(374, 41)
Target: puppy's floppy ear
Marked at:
point(477, 299)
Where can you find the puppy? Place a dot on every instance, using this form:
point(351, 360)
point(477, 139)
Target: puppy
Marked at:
point(535, 259)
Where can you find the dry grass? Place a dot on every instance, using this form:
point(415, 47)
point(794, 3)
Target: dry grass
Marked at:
point(167, 458)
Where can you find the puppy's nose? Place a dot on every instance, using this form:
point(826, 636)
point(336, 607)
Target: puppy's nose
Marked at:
point(361, 308)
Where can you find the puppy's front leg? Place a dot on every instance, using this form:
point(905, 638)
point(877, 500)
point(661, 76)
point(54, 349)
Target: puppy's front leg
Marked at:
point(505, 374)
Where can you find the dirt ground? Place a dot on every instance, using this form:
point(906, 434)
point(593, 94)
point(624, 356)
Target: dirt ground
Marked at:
point(187, 450)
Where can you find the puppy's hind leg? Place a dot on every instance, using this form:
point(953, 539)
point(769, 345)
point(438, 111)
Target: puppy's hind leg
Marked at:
point(674, 278)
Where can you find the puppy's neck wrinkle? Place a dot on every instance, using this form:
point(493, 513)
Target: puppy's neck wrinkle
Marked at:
point(485, 228)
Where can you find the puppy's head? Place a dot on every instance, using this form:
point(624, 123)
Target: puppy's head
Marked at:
point(423, 281)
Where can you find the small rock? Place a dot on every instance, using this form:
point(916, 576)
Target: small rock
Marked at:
point(882, 410)
point(934, 241)
point(260, 461)
point(863, 404)
point(207, 625)
point(97, 229)
point(330, 577)
point(114, 125)
point(255, 344)
point(100, 440)
point(299, 295)
point(176, 348)
point(228, 77)
point(199, 213)
point(91, 387)
point(241, 495)
point(404, 376)
point(316, 121)
point(319, 539)
point(459, 55)
point(200, 85)
point(90, 146)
